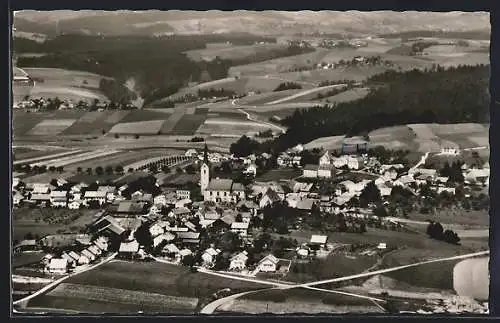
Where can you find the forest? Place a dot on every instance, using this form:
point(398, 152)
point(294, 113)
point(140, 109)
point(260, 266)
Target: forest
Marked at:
point(438, 95)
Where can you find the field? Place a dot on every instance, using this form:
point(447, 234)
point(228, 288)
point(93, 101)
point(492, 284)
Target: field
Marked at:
point(297, 301)
point(40, 222)
point(231, 52)
point(229, 127)
point(476, 269)
point(264, 98)
point(95, 123)
point(65, 84)
point(127, 287)
point(138, 128)
point(418, 137)
point(26, 258)
point(51, 127)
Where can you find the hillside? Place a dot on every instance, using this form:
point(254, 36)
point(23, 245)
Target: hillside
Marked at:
point(258, 23)
point(452, 95)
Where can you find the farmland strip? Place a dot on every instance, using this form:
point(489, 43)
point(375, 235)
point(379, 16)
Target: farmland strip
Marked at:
point(24, 161)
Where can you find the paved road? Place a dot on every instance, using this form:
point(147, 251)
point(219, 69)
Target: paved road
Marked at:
point(306, 92)
point(60, 280)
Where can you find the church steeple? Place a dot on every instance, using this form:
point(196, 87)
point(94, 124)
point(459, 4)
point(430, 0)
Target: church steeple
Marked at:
point(205, 154)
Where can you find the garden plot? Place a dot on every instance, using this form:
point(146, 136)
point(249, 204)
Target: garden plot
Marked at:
point(51, 127)
point(138, 128)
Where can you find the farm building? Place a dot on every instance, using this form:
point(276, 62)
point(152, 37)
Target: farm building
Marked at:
point(268, 264)
point(128, 249)
point(238, 261)
point(58, 266)
point(209, 256)
point(183, 194)
point(325, 159)
point(326, 171)
point(224, 190)
point(318, 240)
point(269, 198)
point(310, 171)
point(241, 228)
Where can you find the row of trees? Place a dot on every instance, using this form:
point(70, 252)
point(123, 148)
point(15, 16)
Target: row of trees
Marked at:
point(26, 168)
point(435, 231)
point(287, 86)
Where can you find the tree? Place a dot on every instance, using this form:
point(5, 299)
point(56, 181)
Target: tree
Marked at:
point(52, 169)
point(243, 147)
point(222, 263)
point(435, 230)
point(99, 170)
point(136, 136)
point(188, 261)
point(130, 170)
point(79, 170)
point(89, 171)
point(117, 136)
point(109, 170)
point(119, 169)
point(380, 211)
point(370, 194)
point(143, 236)
point(451, 237)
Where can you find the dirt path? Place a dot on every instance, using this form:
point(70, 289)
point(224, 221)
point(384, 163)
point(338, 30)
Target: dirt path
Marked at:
point(306, 92)
point(250, 118)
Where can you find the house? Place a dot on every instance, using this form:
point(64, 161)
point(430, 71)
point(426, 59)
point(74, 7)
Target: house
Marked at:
point(238, 261)
point(269, 198)
point(310, 171)
point(170, 250)
point(189, 237)
point(95, 250)
point(325, 159)
point(382, 246)
point(160, 200)
point(71, 261)
point(391, 174)
point(442, 179)
point(17, 198)
point(58, 266)
point(454, 151)
point(183, 194)
point(305, 205)
point(475, 175)
point(340, 161)
point(384, 190)
point(101, 243)
point(240, 228)
point(191, 153)
point(182, 203)
point(40, 199)
point(209, 256)
point(180, 213)
point(155, 230)
point(326, 171)
point(128, 249)
point(355, 162)
point(184, 252)
point(108, 224)
point(297, 161)
point(75, 204)
point(450, 190)
point(87, 253)
point(42, 188)
point(318, 240)
point(251, 170)
point(284, 160)
point(99, 196)
point(224, 190)
point(268, 264)
point(83, 260)
point(164, 237)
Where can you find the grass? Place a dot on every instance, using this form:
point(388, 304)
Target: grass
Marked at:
point(188, 124)
point(112, 300)
point(231, 52)
point(86, 178)
point(41, 222)
point(26, 258)
point(51, 127)
point(160, 278)
point(151, 127)
point(279, 174)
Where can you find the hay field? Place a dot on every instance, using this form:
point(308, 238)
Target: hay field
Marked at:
point(94, 299)
point(227, 126)
point(264, 98)
point(279, 65)
point(51, 127)
point(94, 123)
point(65, 84)
point(232, 52)
point(188, 124)
point(138, 128)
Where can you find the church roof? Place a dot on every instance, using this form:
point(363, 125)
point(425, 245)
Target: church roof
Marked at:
point(220, 184)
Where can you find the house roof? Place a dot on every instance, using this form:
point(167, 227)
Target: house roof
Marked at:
point(185, 252)
point(206, 223)
point(318, 239)
point(240, 256)
point(132, 246)
point(219, 184)
point(239, 225)
point(40, 197)
point(129, 207)
point(181, 210)
point(94, 249)
point(311, 167)
point(188, 235)
point(326, 167)
point(60, 194)
point(74, 255)
point(212, 251)
point(271, 258)
point(171, 248)
point(58, 263)
point(228, 219)
point(87, 253)
point(238, 187)
point(95, 194)
point(305, 204)
point(211, 215)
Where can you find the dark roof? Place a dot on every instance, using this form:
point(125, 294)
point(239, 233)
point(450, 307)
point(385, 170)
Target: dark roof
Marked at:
point(188, 235)
point(220, 184)
point(129, 207)
point(310, 167)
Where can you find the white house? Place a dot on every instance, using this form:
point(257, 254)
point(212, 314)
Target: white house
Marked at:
point(99, 196)
point(83, 260)
point(17, 198)
point(355, 162)
point(209, 256)
point(164, 237)
point(296, 161)
point(87, 253)
point(155, 230)
point(251, 169)
point(310, 171)
point(191, 153)
point(75, 204)
point(160, 200)
point(224, 190)
point(269, 198)
point(325, 159)
point(240, 228)
point(183, 194)
point(318, 240)
point(326, 171)
point(450, 190)
point(340, 161)
point(268, 264)
point(453, 151)
point(58, 266)
point(238, 261)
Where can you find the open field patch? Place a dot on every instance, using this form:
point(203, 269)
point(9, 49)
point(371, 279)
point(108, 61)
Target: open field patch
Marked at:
point(51, 127)
point(334, 142)
point(279, 174)
point(264, 98)
point(138, 116)
point(172, 120)
point(138, 128)
point(231, 52)
point(482, 141)
point(134, 301)
point(216, 126)
point(188, 124)
point(73, 78)
point(263, 84)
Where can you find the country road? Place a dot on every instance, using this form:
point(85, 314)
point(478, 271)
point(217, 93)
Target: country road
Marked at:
point(464, 233)
point(250, 118)
point(306, 92)
point(208, 309)
point(60, 280)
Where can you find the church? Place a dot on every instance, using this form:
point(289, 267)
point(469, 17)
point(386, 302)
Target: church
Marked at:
point(218, 189)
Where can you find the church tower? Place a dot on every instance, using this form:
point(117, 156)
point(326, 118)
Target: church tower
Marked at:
point(205, 171)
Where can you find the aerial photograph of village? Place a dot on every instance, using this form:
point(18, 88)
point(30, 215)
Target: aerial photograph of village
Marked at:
point(249, 162)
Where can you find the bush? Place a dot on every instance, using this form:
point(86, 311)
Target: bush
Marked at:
point(288, 86)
